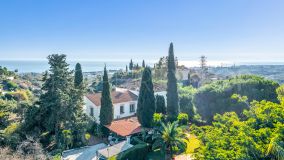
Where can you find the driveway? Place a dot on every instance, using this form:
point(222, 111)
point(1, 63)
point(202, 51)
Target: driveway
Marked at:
point(85, 153)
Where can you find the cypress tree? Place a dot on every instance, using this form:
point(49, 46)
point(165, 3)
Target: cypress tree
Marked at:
point(78, 81)
point(172, 95)
point(143, 64)
point(131, 65)
point(106, 111)
point(146, 101)
point(160, 104)
point(126, 69)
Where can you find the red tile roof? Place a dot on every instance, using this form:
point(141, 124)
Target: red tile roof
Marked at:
point(116, 96)
point(125, 127)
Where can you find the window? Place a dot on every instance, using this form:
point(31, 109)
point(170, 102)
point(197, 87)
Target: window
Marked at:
point(121, 109)
point(92, 111)
point(132, 108)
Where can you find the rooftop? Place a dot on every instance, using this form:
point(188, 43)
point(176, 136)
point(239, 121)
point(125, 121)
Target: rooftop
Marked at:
point(125, 127)
point(116, 96)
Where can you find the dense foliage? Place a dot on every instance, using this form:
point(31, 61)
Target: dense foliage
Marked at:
point(146, 102)
point(132, 153)
point(185, 101)
point(172, 95)
point(216, 97)
point(160, 104)
point(59, 108)
point(259, 136)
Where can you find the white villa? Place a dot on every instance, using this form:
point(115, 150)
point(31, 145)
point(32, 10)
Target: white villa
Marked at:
point(124, 104)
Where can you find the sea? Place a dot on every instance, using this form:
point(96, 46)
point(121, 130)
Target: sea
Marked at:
point(40, 66)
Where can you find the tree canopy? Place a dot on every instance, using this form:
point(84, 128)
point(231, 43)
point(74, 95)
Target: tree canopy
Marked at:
point(216, 97)
point(260, 135)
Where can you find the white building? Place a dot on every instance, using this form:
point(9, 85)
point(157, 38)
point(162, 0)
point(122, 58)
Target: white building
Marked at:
point(124, 104)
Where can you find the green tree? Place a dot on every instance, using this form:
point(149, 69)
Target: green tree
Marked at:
point(280, 92)
point(257, 135)
point(126, 69)
point(106, 111)
point(172, 95)
point(170, 138)
point(143, 64)
point(78, 81)
point(131, 66)
point(160, 104)
point(146, 101)
point(60, 105)
point(216, 97)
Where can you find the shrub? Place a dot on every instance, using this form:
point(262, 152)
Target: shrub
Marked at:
point(87, 136)
point(11, 86)
point(182, 118)
point(157, 118)
point(137, 152)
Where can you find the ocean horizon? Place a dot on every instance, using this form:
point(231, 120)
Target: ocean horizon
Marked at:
point(40, 66)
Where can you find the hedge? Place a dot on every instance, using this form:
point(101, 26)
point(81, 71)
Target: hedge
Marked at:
point(137, 152)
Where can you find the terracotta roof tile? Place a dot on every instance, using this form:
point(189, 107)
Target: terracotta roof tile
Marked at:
point(125, 127)
point(116, 96)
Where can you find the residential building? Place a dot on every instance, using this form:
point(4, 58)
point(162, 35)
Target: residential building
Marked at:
point(124, 104)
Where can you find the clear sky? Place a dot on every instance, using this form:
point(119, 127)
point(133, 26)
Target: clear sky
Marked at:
point(233, 30)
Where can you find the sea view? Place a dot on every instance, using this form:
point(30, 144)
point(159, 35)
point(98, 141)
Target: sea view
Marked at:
point(39, 66)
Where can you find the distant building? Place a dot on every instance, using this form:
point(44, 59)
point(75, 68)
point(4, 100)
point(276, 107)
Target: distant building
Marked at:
point(124, 104)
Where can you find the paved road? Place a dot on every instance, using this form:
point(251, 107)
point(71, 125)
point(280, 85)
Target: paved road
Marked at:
point(86, 153)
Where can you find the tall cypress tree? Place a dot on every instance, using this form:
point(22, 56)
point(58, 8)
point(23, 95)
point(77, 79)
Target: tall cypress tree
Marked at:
point(78, 81)
point(146, 101)
point(172, 95)
point(160, 104)
point(143, 64)
point(106, 111)
point(131, 65)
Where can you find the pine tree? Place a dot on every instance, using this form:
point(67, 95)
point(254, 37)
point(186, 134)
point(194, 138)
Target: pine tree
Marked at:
point(106, 111)
point(131, 65)
point(78, 81)
point(146, 101)
point(172, 95)
point(143, 64)
point(59, 107)
point(160, 104)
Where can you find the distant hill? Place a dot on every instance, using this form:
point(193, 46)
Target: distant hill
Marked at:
point(273, 72)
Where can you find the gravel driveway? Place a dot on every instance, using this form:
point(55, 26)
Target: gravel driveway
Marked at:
point(85, 153)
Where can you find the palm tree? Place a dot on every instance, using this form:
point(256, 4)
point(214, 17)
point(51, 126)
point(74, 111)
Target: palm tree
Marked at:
point(275, 150)
point(170, 137)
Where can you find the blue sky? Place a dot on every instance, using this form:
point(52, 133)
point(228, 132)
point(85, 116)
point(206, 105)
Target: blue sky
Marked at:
point(233, 30)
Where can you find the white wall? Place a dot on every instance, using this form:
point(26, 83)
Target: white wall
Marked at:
point(116, 112)
point(87, 109)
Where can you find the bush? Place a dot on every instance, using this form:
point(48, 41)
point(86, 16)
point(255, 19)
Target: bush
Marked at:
point(185, 101)
point(182, 118)
point(157, 118)
point(11, 86)
point(137, 152)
